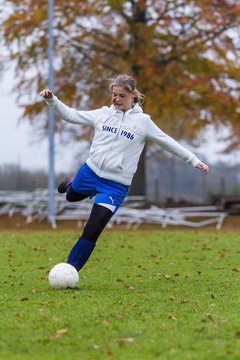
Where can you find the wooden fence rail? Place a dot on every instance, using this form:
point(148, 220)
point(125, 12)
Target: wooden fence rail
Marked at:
point(132, 214)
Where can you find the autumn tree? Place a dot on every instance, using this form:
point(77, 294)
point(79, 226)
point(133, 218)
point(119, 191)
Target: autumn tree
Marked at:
point(183, 53)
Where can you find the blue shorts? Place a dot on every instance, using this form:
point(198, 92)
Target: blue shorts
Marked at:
point(109, 194)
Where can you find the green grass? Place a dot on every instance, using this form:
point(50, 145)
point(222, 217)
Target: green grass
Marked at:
point(144, 295)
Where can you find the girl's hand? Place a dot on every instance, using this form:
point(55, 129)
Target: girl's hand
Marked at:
point(203, 167)
point(46, 94)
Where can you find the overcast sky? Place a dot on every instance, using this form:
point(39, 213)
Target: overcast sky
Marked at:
point(18, 142)
point(19, 145)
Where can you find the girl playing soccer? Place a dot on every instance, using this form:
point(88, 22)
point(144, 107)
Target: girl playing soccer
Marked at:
point(121, 131)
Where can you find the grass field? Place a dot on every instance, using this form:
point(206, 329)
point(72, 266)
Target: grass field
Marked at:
point(144, 295)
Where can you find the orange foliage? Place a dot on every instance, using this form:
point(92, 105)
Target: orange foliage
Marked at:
point(183, 56)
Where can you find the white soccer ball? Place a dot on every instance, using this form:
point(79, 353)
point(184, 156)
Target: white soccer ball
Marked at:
point(63, 276)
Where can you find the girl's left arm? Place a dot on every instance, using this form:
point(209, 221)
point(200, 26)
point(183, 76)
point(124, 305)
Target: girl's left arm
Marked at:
point(157, 136)
point(203, 167)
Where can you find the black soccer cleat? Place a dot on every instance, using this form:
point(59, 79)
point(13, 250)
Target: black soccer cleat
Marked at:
point(73, 288)
point(63, 186)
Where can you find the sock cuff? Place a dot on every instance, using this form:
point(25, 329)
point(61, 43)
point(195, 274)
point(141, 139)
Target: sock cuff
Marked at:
point(87, 242)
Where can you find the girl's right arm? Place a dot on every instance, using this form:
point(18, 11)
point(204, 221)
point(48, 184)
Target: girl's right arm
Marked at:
point(46, 94)
point(66, 113)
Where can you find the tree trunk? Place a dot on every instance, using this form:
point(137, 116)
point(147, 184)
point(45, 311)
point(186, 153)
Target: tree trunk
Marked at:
point(139, 10)
point(138, 186)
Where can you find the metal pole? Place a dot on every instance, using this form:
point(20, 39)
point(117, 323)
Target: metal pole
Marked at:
point(51, 169)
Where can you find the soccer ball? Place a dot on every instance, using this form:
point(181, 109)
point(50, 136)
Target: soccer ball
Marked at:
point(63, 276)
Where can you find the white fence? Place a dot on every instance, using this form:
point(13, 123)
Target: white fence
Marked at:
point(132, 214)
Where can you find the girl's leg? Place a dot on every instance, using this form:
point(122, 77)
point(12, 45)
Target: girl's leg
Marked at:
point(73, 196)
point(83, 248)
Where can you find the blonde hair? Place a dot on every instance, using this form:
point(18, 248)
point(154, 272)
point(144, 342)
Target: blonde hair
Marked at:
point(128, 83)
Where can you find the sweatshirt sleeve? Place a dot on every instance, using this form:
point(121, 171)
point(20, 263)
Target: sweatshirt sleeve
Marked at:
point(157, 136)
point(69, 114)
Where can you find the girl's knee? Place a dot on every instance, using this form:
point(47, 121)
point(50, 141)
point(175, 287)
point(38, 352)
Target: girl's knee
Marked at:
point(73, 196)
point(69, 197)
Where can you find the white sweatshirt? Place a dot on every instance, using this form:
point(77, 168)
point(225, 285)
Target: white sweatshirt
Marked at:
point(119, 139)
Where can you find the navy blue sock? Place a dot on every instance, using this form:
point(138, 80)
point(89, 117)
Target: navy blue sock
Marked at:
point(80, 253)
